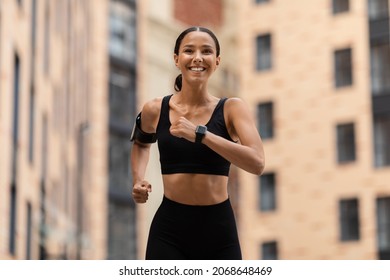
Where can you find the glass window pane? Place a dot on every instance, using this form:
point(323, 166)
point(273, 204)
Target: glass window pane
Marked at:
point(380, 69)
point(378, 9)
point(346, 151)
point(122, 21)
point(349, 219)
point(343, 67)
point(340, 6)
point(383, 227)
point(269, 250)
point(265, 120)
point(267, 192)
point(122, 232)
point(382, 140)
point(122, 96)
point(263, 52)
point(119, 163)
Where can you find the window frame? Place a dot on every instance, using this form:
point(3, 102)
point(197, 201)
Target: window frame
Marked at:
point(346, 143)
point(263, 58)
point(349, 219)
point(269, 246)
point(340, 6)
point(383, 227)
point(267, 193)
point(265, 120)
point(343, 68)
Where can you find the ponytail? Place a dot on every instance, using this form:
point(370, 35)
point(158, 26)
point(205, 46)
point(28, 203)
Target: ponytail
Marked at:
point(178, 83)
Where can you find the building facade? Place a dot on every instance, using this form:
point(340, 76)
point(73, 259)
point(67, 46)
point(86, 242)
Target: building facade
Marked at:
point(122, 87)
point(67, 83)
point(316, 74)
point(47, 121)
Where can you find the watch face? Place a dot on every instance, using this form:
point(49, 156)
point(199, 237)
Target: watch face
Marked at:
point(201, 129)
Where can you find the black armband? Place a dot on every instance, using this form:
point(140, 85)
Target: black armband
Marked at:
point(140, 135)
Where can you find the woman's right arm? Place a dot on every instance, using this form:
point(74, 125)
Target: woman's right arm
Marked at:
point(140, 151)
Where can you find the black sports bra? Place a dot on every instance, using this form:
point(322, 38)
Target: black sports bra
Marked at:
point(178, 155)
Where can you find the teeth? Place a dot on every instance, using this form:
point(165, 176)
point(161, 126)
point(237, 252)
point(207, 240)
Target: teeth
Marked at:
point(197, 69)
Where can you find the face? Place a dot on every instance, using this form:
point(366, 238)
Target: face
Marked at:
point(197, 58)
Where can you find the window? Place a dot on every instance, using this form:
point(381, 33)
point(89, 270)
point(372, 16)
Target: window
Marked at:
point(119, 160)
point(122, 95)
point(31, 127)
point(12, 225)
point(340, 6)
point(261, 1)
point(46, 38)
point(44, 148)
point(269, 250)
point(382, 140)
point(267, 192)
point(15, 127)
point(16, 99)
point(343, 67)
point(383, 227)
point(122, 104)
point(265, 120)
point(378, 9)
point(380, 69)
point(346, 143)
point(122, 42)
point(122, 233)
point(29, 231)
point(349, 219)
point(263, 52)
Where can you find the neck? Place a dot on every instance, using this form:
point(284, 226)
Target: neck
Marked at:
point(194, 94)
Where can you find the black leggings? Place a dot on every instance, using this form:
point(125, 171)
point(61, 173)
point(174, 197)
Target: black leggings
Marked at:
point(186, 232)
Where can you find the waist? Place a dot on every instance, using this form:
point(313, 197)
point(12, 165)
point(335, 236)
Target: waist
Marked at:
point(195, 189)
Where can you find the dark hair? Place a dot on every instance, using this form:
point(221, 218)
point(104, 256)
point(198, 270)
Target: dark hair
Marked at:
point(178, 81)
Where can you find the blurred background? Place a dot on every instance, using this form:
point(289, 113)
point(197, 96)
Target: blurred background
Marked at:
point(315, 75)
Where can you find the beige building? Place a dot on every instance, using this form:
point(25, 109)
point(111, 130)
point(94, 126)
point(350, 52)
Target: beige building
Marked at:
point(317, 75)
point(63, 131)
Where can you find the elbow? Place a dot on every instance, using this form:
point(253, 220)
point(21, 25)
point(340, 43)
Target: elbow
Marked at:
point(260, 167)
point(257, 168)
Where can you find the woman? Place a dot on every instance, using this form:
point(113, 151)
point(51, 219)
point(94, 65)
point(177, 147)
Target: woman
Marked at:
point(199, 136)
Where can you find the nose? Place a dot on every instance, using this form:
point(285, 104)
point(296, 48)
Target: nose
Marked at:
point(198, 56)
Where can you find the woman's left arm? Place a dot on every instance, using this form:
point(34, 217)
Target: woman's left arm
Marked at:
point(248, 153)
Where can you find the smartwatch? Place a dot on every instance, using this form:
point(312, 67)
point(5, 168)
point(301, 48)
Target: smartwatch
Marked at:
point(200, 132)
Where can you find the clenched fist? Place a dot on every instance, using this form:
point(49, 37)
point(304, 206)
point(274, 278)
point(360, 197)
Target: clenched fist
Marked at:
point(183, 128)
point(141, 191)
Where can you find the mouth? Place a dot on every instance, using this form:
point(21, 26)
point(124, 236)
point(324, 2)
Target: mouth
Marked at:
point(197, 69)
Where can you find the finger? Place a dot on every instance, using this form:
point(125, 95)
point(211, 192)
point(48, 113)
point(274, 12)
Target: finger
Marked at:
point(140, 199)
point(147, 186)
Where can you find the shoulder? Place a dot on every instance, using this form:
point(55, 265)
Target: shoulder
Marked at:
point(152, 107)
point(234, 101)
point(150, 114)
point(234, 105)
point(237, 111)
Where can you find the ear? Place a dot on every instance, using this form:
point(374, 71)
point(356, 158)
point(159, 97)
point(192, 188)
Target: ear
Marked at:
point(218, 61)
point(176, 59)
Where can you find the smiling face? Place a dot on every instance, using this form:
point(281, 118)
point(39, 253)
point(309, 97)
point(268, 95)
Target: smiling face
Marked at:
point(197, 57)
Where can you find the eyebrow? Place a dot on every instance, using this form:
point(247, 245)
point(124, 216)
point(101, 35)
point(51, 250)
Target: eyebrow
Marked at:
point(203, 46)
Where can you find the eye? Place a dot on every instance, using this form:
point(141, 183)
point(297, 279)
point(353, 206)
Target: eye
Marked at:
point(187, 50)
point(208, 51)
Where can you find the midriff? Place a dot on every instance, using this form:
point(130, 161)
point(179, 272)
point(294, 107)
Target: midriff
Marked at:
point(195, 189)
